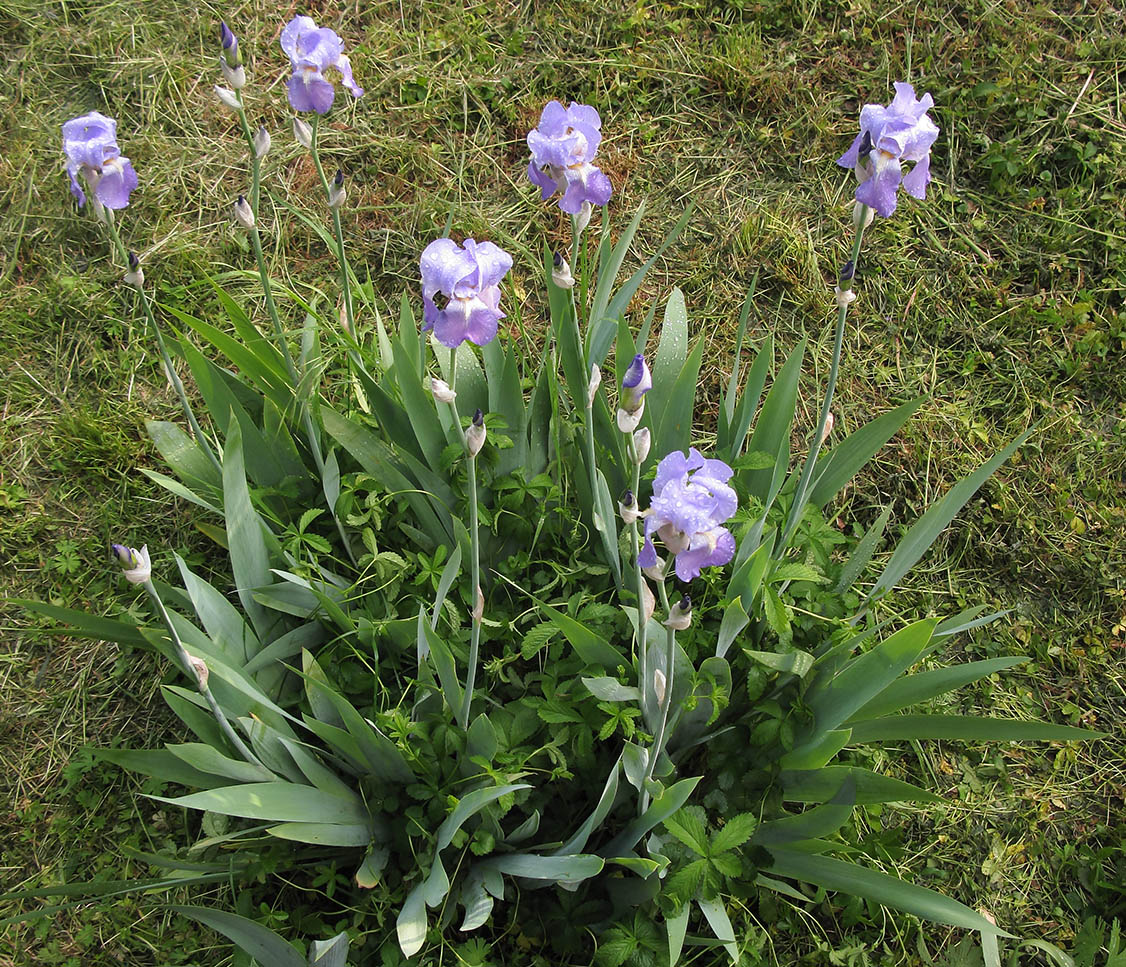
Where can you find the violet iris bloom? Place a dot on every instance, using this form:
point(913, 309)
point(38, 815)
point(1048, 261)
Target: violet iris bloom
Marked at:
point(90, 145)
point(312, 50)
point(469, 278)
point(563, 146)
point(691, 500)
point(889, 136)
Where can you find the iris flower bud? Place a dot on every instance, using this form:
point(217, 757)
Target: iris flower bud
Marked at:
point(136, 564)
point(561, 272)
point(262, 143)
point(627, 507)
point(680, 615)
point(302, 133)
point(243, 213)
point(199, 666)
point(136, 275)
point(441, 391)
point(641, 443)
point(659, 683)
point(475, 434)
point(228, 97)
point(336, 192)
point(592, 386)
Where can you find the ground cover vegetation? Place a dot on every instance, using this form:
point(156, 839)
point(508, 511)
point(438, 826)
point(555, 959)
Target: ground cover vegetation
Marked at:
point(1001, 298)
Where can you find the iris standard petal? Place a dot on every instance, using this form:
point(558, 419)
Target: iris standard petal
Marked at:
point(290, 35)
point(443, 265)
point(492, 261)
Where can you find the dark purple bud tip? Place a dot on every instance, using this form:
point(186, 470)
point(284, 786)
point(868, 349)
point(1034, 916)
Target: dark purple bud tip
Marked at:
point(478, 418)
point(848, 270)
point(242, 199)
point(133, 261)
point(122, 554)
point(627, 498)
point(557, 260)
point(865, 148)
point(226, 38)
point(685, 603)
point(339, 179)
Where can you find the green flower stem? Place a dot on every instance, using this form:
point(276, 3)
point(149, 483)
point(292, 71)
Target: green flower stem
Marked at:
point(170, 370)
point(639, 583)
point(345, 274)
point(474, 555)
point(255, 161)
point(186, 663)
point(802, 491)
point(670, 663)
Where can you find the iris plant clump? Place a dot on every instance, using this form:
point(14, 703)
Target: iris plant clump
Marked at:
point(532, 713)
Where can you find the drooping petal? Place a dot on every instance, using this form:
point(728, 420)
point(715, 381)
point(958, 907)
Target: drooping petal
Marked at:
point(465, 319)
point(585, 183)
point(879, 191)
point(916, 180)
point(117, 181)
point(542, 180)
point(704, 553)
point(75, 187)
point(344, 65)
point(430, 313)
point(647, 556)
point(309, 91)
point(850, 158)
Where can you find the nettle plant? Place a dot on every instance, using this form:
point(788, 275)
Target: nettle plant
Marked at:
point(511, 648)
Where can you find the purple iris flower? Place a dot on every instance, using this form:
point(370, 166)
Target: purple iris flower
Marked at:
point(636, 382)
point(90, 145)
point(469, 278)
point(889, 136)
point(312, 50)
point(691, 500)
point(563, 147)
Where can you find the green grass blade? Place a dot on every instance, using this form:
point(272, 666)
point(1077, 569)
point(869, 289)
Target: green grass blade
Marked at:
point(923, 686)
point(965, 728)
point(259, 941)
point(927, 528)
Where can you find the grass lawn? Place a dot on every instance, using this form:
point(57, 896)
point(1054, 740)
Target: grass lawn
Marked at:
point(1000, 297)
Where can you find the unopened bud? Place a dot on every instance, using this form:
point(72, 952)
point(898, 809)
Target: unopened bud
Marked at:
point(336, 192)
point(627, 507)
point(648, 602)
point(235, 76)
point(844, 297)
point(135, 276)
point(262, 143)
point(641, 444)
point(228, 97)
point(303, 133)
point(848, 270)
point(135, 563)
point(479, 607)
point(229, 43)
point(592, 386)
point(475, 434)
point(244, 215)
point(441, 391)
point(561, 272)
point(199, 666)
point(865, 147)
point(628, 421)
point(582, 219)
point(829, 421)
point(659, 683)
point(680, 615)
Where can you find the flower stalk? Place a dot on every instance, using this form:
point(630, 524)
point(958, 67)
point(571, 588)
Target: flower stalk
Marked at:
point(150, 318)
point(330, 196)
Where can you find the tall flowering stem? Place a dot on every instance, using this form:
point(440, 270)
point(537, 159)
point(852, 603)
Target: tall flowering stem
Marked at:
point(170, 370)
point(138, 570)
point(471, 446)
point(845, 295)
point(345, 272)
point(663, 700)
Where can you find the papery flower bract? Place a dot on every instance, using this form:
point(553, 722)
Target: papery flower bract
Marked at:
point(900, 132)
point(90, 145)
point(136, 565)
point(312, 50)
point(691, 500)
point(469, 278)
point(563, 146)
